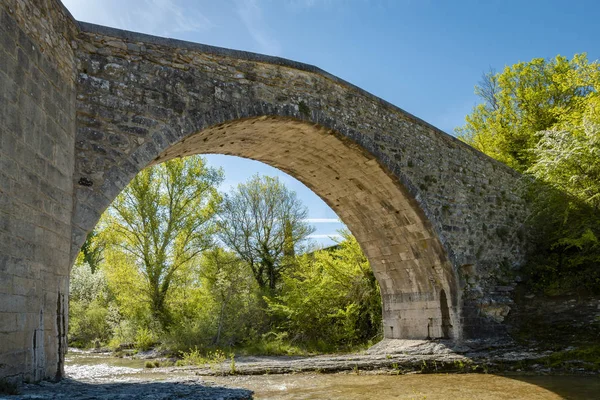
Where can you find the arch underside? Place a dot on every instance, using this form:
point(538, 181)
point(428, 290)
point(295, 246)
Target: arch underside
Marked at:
point(407, 258)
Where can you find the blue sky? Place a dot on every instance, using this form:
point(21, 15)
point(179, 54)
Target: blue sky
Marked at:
point(423, 56)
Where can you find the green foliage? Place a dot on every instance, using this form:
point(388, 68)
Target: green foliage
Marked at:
point(159, 278)
point(192, 357)
point(92, 250)
point(162, 220)
point(152, 364)
point(130, 294)
point(145, 339)
point(262, 221)
point(570, 160)
point(88, 324)
point(220, 309)
point(273, 344)
point(88, 311)
point(86, 285)
point(331, 299)
point(233, 291)
point(543, 118)
point(527, 98)
point(213, 359)
point(588, 354)
point(232, 369)
point(565, 199)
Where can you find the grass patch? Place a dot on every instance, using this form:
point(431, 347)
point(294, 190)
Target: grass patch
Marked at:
point(586, 357)
point(272, 348)
point(152, 364)
point(215, 360)
point(588, 354)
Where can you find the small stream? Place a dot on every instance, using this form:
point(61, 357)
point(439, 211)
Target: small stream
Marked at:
point(103, 369)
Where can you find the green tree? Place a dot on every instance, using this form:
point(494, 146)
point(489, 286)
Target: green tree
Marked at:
point(263, 222)
point(217, 306)
point(231, 285)
point(331, 299)
point(569, 160)
point(88, 305)
point(541, 118)
point(565, 200)
point(528, 98)
point(92, 250)
point(162, 221)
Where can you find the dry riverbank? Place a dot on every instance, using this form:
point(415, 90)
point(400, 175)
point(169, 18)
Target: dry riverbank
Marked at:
point(406, 356)
point(395, 369)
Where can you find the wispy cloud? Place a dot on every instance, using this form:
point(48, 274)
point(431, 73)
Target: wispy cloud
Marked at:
point(323, 220)
point(251, 15)
point(304, 4)
point(325, 236)
point(157, 17)
point(177, 20)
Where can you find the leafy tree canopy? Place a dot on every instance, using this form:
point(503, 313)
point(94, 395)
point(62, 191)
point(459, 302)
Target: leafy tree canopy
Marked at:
point(542, 118)
point(162, 221)
point(264, 223)
point(331, 298)
point(528, 98)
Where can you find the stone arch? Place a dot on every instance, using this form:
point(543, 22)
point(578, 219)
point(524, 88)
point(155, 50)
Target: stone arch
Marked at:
point(409, 262)
point(138, 96)
point(446, 327)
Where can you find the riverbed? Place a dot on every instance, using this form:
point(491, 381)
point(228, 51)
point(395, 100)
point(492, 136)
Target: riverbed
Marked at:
point(102, 376)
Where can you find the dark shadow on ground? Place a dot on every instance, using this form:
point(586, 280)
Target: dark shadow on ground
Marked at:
point(181, 389)
point(570, 387)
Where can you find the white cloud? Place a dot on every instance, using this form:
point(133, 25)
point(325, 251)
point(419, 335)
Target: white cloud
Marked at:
point(323, 220)
point(251, 15)
point(325, 236)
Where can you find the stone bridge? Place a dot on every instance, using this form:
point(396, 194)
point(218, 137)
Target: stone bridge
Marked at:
point(84, 108)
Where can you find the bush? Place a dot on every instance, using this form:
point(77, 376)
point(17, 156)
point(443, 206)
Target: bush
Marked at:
point(145, 339)
point(564, 232)
point(152, 364)
point(88, 310)
point(330, 301)
point(88, 323)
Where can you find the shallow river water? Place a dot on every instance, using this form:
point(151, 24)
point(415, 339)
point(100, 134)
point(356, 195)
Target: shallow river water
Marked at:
point(430, 386)
point(102, 370)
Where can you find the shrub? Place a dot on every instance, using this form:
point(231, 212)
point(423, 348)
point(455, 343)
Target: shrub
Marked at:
point(145, 339)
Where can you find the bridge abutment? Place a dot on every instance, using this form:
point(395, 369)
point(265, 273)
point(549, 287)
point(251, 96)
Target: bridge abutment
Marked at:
point(37, 137)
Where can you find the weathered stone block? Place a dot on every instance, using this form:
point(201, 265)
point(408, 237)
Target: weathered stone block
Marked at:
point(11, 303)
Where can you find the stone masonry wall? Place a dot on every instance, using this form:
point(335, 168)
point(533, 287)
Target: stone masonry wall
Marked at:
point(139, 95)
point(37, 124)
